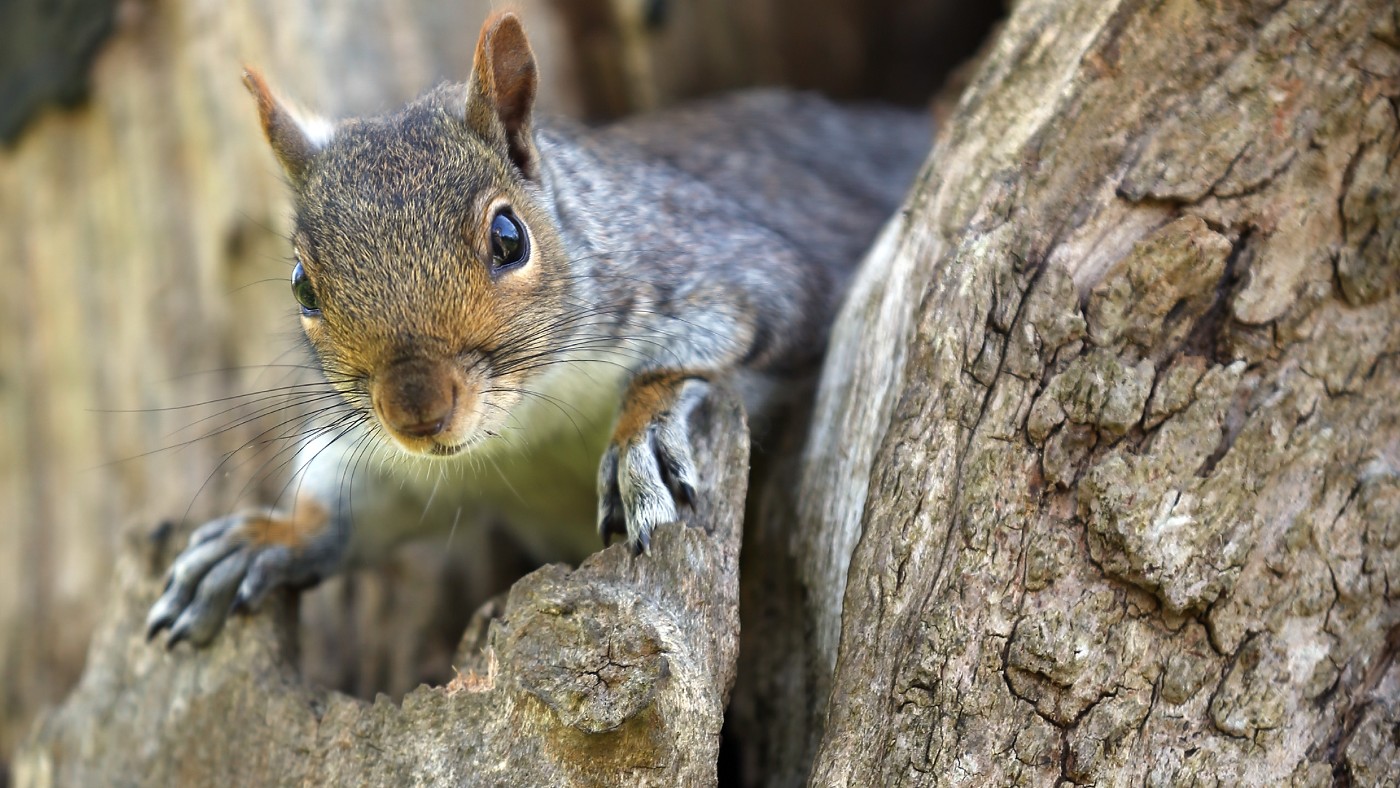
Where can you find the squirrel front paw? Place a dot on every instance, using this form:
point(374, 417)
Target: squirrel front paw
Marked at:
point(231, 564)
point(649, 467)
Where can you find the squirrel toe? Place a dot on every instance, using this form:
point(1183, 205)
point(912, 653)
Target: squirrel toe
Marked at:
point(230, 566)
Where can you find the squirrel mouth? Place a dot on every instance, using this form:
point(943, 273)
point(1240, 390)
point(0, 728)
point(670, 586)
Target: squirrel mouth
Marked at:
point(441, 450)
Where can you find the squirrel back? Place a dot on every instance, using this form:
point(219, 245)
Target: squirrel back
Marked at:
point(752, 188)
point(820, 173)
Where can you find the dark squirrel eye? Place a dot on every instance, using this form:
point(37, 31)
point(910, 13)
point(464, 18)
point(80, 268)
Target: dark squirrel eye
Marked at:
point(509, 244)
point(304, 293)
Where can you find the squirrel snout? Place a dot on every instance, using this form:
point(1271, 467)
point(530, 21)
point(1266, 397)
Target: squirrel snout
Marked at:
point(417, 399)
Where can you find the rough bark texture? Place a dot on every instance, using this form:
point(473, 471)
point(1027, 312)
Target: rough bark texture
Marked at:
point(1123, 389)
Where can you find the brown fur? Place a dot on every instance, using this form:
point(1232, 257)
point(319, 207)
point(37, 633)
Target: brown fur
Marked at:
point(504, 83)
point(437, 172)
point(306, 521)
point(648, 397)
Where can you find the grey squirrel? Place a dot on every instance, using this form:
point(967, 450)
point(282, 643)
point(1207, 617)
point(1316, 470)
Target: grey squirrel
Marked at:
point(489, 293)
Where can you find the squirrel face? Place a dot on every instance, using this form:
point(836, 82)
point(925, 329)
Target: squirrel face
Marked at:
point(429, 272)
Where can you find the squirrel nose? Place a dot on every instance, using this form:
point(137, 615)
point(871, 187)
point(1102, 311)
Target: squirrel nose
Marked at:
point(416, 398)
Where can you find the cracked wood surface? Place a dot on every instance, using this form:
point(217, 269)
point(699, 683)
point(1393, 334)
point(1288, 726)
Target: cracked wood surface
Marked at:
point(615, 673)
point(1123, 391)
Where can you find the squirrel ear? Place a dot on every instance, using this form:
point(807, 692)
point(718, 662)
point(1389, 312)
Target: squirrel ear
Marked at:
point(295, 139)
point(502, 89)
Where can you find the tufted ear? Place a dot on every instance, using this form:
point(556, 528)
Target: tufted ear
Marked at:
point(295, 139)
point(501, 94)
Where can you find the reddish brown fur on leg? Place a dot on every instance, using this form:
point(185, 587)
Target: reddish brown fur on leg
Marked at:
point(307, 520)
point(648, 396)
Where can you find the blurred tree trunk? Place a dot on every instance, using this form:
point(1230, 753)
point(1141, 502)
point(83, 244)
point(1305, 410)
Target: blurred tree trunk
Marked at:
point(1102, 483)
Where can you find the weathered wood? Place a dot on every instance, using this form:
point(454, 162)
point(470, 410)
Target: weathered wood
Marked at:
point(1128, 372)
point(615, 673)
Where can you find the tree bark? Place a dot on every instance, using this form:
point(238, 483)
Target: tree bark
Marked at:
point(1111, 417)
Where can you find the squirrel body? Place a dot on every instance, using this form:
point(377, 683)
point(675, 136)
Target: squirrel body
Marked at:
point(520, 317)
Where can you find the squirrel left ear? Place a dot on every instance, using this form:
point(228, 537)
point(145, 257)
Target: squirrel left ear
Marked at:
point(295, 139)
point(502, 89)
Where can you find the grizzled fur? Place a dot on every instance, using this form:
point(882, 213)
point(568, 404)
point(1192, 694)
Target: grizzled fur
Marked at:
point(665, 252)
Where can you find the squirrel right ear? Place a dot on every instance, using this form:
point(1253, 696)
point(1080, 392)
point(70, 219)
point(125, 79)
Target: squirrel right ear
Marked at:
point(294, 139)
point(502, 89)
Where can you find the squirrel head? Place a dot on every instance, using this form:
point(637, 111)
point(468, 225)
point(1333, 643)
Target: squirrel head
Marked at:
point(430, 272)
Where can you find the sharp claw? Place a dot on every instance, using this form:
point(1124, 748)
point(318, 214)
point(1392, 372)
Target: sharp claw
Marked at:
point(687, 494)
point(176, 635)
point(153, 628)
point(162, 615)
point(611, 523)
point(643, 544)
point(239, 605)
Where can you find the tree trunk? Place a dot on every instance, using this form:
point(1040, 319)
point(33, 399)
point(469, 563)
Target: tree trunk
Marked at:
point(1102, 482)
point(1111, 419)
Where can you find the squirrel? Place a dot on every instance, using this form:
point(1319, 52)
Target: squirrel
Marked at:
point(486, 293)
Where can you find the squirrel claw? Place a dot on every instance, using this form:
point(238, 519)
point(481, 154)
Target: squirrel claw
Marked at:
point(606, 531)
point(176, 635)
point(611, 521)
point(155, 624)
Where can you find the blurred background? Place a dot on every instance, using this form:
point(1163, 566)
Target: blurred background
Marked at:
point(142, 225)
